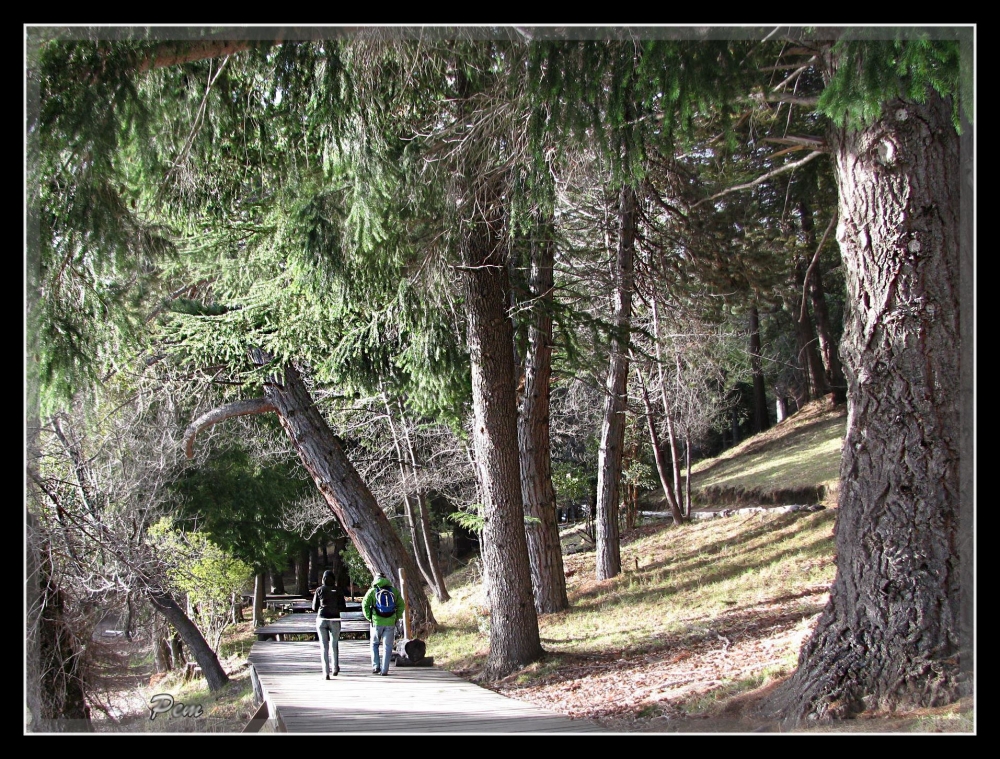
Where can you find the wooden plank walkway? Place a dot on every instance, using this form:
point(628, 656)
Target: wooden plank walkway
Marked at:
point(410, 700)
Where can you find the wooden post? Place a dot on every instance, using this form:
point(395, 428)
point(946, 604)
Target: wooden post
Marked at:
point(406, 603)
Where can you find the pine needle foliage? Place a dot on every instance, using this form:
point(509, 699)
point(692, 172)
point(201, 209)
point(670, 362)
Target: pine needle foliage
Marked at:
point(872, 72)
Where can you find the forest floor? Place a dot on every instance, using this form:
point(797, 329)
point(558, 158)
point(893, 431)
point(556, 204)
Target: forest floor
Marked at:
point(706, 619)
point(713, 674)
point(707, 678)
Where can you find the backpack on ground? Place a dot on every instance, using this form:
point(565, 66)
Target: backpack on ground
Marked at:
point(385, 602)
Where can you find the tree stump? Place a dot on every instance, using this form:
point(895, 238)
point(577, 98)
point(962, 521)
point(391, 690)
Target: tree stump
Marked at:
point(410, 652)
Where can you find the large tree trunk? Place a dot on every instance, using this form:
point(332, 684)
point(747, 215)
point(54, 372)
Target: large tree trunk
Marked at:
point(480, 197)
point(890, 634)
point(165, 604)
point(544, 547)
point(514, 636)
point(345, 492)
point(609, 463)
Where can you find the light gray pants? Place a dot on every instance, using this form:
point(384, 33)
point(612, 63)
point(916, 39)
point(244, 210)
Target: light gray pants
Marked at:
point(329, 638)
point(380, 634)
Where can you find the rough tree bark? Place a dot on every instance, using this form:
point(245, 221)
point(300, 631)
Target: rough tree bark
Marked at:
point(890, 635)
point(544, 547)
point(345, 492)
point(514, 637)
point(609, 464)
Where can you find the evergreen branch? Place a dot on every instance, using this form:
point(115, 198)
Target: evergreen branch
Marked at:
point(238, 408)
point(764, 177)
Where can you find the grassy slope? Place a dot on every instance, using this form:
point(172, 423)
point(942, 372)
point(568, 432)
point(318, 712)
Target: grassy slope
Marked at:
point(797, 461)
point(705, 617)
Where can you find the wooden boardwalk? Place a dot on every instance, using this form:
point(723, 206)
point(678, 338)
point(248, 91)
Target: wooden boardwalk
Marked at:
point(288, 676)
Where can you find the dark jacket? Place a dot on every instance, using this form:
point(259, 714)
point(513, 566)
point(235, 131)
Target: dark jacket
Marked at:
point(329, 601)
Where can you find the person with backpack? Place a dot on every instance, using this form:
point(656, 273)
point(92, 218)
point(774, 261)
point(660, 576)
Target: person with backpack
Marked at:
point(382, 606)
point(328, 602)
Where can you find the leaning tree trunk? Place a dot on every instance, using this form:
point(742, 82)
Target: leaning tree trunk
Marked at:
point(890, 634)
point(165, 604)
point(609, 463)
point(544, 547)
point(345, 492)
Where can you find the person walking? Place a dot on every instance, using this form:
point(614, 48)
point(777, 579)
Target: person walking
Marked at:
point(328, 602)
point(382, 606)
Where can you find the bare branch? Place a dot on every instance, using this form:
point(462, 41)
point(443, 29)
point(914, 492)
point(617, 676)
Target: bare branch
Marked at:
point(764, 177)
point(778, 97)
point(238, 408)
point(805, 140)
